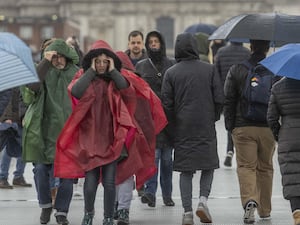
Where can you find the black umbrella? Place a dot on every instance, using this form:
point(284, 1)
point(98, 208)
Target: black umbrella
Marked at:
point(201, 27)
point(275, 27)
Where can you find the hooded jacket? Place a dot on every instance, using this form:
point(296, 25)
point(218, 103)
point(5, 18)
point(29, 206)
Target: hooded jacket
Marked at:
point(105, 119)
point(50, 108)
point(192, 97)
point(152, 70)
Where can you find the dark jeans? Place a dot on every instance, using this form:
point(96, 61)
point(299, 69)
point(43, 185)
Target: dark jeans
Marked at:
point(295, 203)
point(43, 176)
point(164, 161)
point(91, 184)
point(230, 146)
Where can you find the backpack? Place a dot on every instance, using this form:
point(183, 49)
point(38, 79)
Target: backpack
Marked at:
point(256, 92)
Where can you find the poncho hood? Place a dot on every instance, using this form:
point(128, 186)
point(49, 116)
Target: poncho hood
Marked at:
point(99, 47)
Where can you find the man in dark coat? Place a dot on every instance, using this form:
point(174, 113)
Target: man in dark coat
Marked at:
point(192, 97)
point(284, 120)
point(253, 141)
point(152, 71)
point(229, 55)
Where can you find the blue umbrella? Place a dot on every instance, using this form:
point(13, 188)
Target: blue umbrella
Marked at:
point(16, 64)
point(285, 61)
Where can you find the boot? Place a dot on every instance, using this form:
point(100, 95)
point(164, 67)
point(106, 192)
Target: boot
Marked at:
point(88, 219)
point(108, 221)
point(296, 216)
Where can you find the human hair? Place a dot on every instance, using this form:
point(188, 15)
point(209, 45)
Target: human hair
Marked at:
point(135, 33)
point(260, 46)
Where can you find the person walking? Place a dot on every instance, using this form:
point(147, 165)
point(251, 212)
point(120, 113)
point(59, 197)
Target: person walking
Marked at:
point(136, 51)
point(12, 111)
point(152, 71)
point(283, 119)
point(228, 55)
point(192, 98)
point(104, 139)
point(253, 141)
point(43, 122)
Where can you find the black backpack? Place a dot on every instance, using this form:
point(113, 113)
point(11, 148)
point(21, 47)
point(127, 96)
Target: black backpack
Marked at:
point(256, 92)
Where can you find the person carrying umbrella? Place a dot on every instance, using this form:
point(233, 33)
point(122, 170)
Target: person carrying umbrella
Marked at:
point(43, 122)
point(252, 139)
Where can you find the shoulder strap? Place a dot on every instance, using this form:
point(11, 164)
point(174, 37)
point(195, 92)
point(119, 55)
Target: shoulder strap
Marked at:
point(154, 67)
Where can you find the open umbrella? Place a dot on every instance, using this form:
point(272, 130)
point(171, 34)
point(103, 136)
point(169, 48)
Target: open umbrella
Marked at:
point(285, 61)
point(16, 64)
point(201, 27)
point(275, 27)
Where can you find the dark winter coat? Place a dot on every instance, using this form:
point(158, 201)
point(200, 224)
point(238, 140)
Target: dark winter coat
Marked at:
point(284, 120)
point(192, 96)
point(229, 55)
point(153, 75)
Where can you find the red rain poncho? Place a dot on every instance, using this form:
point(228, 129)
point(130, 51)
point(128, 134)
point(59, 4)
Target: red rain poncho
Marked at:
point(136, 116)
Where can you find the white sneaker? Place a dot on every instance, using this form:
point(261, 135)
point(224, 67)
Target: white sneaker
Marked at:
point(187, 218)
point(203, 213)
point(249, 217)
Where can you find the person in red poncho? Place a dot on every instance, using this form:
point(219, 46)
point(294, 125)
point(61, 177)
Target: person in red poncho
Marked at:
point(113, 118)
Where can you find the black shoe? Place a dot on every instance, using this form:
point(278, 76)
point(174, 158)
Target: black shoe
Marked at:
point(62, 220)
point(20, 181)
point(228, 159)
point(168, 201)
point(4, 184)
point(149, 199)
point(88, 219)
point(45, 215)
point(123, 217)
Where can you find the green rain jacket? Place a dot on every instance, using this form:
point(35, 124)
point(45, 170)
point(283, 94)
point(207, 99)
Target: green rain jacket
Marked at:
point(49, 109)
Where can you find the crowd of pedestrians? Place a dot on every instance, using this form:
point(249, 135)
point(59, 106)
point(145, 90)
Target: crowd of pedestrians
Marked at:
point(129, 119)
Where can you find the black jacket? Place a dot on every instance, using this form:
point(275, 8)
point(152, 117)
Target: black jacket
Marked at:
point(233, 86)
point(284, 120)
point(152, 71)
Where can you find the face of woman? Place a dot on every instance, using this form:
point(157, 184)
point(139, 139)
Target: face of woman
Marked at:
point(101, 64)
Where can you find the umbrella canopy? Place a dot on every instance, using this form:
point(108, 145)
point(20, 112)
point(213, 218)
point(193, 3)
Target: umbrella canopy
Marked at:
point(201, 27)
point(16, 64)
point(275, 27)
point(285, 61)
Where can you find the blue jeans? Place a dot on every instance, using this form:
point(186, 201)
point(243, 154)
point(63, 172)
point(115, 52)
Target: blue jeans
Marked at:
point(163, 161)
point(90, 187)
point(43, 176)
point(5, 164)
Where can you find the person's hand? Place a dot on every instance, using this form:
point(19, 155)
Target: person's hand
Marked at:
point(93, 65)
point(111, 65)
point(49, 55)
point(8, 121)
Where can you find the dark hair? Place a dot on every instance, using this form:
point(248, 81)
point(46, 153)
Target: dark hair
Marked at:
point(260, 46)
point(135, 33)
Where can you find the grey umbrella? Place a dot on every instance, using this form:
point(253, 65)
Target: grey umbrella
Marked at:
point(275, 27)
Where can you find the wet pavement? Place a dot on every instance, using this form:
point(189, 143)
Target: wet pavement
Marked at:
point(19, 206)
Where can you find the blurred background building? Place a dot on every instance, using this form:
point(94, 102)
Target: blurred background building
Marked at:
point(112, 20)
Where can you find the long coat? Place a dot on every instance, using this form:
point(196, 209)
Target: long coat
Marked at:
point(284, 120)
point(192, 96)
